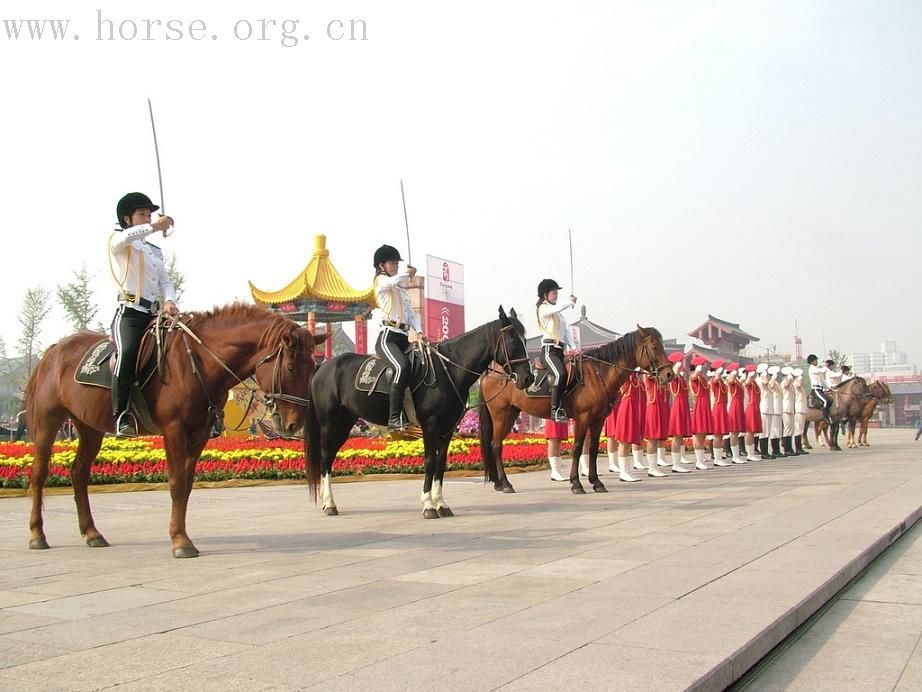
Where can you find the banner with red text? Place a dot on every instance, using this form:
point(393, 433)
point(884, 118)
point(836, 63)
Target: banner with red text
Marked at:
point(444, 299)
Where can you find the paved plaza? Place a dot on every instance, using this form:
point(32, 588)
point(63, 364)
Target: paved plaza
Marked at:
point(684, 582)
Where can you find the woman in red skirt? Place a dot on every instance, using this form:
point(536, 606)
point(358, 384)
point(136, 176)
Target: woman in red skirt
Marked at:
point(628, 425)
point(701, 413)
point(735, 412)
point(753, 412)
point(680, 414)
point(720, 420)
point(554, 432)
point(655, 424)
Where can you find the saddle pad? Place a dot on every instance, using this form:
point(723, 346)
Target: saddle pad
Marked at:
point(539, 387)
point(93, 369)
point(369, 377)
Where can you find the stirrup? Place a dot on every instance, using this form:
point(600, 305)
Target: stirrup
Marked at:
point(397, 424)
point(558, 415)
point(126, 425)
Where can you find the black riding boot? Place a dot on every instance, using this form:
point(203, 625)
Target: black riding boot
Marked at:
point(558, 413)
point(826, 415)
point(799, 445)
point(766, 452)
point(395, 418)
point(786, 446)
point(776, 447)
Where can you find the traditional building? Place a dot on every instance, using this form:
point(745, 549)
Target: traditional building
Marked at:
point(320, 294)
point(722, 339)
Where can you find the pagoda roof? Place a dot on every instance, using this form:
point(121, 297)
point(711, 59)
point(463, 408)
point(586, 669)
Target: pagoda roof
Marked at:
point(724, 326)
point(318, 281)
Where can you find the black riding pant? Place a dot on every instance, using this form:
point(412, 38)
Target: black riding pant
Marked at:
point(128, 327)
point(821, 395)
point(552, 357)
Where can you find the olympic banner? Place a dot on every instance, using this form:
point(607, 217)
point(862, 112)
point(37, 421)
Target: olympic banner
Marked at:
point(445, 299)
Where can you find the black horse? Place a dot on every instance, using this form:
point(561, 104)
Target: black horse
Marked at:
point(439, 398)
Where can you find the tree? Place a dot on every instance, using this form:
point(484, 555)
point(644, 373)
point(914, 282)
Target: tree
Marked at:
point(838, 358)
point(77, 299)
point(35, 309)
point(176, 277)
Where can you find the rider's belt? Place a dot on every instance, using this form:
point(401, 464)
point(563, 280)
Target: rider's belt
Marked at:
point(395, 325)
point(550, 342)
point(149, 305)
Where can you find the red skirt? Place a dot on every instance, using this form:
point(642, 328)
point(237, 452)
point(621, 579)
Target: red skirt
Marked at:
point(680, 422)
point(656, 420)
point(629, 421)
point(556, 431)
point(753, 417)
point(720, 419)
point(610, 421)
point(736, 415)
point(701, 415)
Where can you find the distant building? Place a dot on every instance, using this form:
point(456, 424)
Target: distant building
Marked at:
point(888, 362)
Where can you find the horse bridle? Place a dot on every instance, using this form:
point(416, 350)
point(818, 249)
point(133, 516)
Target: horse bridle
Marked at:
point(645, 350)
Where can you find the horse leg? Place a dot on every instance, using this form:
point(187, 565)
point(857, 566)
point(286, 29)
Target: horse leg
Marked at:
point(43, 440)
point(579, 437)
point(833, 438)
point(501, 430)
point(594, 431)
point(181, 460)
point(431, 450)
point(334, 433)
point(438, 499)
point(87, 450)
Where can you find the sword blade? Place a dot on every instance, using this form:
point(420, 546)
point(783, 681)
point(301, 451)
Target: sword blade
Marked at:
point(570, 233)
point(157, 154)
point(406, 224)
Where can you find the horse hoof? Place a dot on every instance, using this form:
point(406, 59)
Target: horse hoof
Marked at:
point(498, 488)
point(185, 551)
point(97, 542)
point(430, 514)
point(577, 490)
point(446, 511)
point(331, 511)
point(508, 489)
point(39, 544)
point(600, 488)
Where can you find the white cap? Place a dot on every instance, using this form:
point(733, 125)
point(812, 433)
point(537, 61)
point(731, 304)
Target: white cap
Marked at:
point(773, 369)
point(798, 372)
point(787, 370)
point(761, 367)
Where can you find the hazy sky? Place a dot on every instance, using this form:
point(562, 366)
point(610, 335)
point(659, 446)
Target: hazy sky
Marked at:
point(761, 161)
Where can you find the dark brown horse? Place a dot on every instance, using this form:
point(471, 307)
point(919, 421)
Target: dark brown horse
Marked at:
point(604, 369)
point(878, 392)
point(199, 366)
point(847, 401)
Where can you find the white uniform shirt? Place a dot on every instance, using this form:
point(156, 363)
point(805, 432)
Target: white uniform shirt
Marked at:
point(776, 395)
point(394, 302)
point(833, 378)
point(799, 396)
point(818, 374)
point(765, 403)
point(138, 267)
point(552, 324)
point(787, 395)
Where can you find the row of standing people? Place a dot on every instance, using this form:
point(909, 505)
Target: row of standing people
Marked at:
point(760, 410)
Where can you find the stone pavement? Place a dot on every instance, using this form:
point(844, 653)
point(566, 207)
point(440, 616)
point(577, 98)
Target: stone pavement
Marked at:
point(666, 584)
point(869, 638)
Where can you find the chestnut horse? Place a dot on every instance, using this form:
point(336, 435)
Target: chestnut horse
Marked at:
point(200, 363)
point(604, 369)
point(878, 392)
point(440, 400)
point(847, 402)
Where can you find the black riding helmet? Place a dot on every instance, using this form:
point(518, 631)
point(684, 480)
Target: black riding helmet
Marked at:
point(546, 286)
point(387, 253)
point(130, 203)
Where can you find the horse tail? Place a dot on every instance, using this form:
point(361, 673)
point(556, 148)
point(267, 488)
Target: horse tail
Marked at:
point(486, 443)
point(28, 394)
point(312, 454)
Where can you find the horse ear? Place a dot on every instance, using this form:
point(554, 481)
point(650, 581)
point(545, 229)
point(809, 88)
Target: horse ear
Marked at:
point(502, 315)
point(320, 338)
point(641, 330)
point(512, 314)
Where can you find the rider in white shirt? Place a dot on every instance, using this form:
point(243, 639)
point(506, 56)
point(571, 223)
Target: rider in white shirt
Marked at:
point(818, 375)
point(555, 335)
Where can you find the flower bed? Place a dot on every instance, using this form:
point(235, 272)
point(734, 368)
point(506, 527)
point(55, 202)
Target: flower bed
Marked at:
point(143, 460)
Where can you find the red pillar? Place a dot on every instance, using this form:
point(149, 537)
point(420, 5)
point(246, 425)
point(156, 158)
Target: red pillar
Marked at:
point(328, 344)
point(361, 334)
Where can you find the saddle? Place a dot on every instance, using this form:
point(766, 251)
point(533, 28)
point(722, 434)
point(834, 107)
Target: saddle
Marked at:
point(97, 366)
point(373, 377)
point(814, 402)
point(540, 388)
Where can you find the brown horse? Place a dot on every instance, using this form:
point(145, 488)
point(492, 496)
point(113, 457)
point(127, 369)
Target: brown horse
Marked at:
point(878, 392)
point(603, 369)
point(200, 364)
point(847, 402)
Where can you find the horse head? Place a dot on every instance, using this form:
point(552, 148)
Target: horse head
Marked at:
point(511, 352)
point(650, 354)
point(284, 376)
point(880, 391)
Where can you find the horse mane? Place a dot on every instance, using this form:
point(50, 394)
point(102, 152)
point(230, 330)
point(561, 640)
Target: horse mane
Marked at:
point(621, 348)
point(238, 312)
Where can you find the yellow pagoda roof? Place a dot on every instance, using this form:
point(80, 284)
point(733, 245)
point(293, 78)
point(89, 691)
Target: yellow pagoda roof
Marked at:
point(318, 280)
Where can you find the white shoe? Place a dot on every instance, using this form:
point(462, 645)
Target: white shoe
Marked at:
point(722, 462)
point(701, 466)
point(662, 462)
point(639, 467)
point(654, 472)
point(680, 469)
point(583, 467)
point(738, 460)
point(753, 457)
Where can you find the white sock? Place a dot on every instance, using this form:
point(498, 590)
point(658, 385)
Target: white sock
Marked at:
point(613, 462)
point(735, 451)
point(699, 455)
point(638, 458)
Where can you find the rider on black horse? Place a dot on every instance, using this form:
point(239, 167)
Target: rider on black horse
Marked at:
point(397, 318)
point(554, 336)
